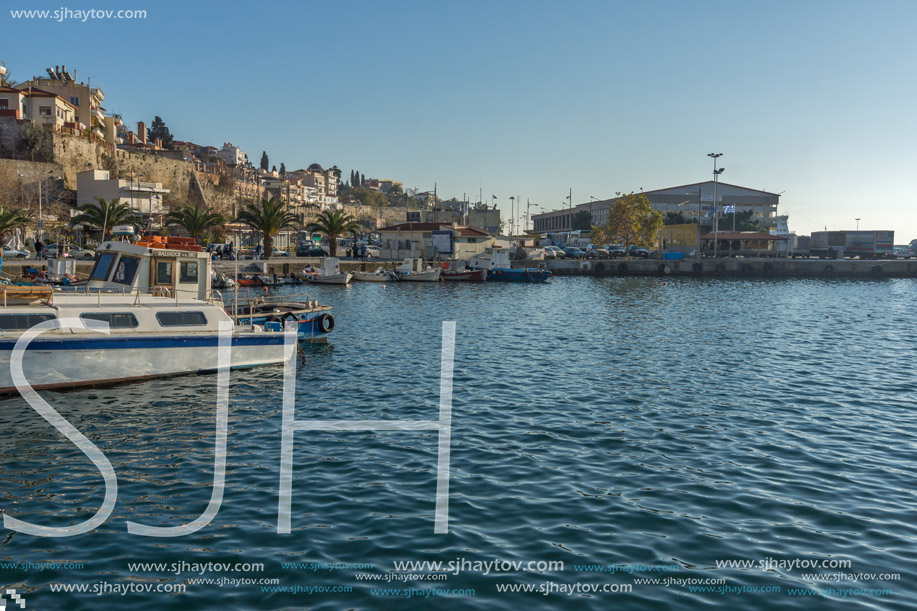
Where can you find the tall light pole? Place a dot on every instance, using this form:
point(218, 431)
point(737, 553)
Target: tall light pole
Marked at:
point(858, 223)
point(716, 174)
point(570, 213)
point(512, 214)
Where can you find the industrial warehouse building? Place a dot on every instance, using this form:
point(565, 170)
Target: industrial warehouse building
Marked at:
point(690, 200)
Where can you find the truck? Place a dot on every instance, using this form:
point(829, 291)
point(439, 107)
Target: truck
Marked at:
point(862, 244)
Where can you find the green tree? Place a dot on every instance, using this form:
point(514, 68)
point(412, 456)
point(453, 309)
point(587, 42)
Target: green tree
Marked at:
point(5, 77)
point(268, 217)
point(196, 220)
point(265, 163)
point(11, 220)
point(106, 214)
point(368, 197)
point(334, 223)
point(283, 169)
point(35, 142)
point(158, 129)
point(631, 221)
point(362, 180)
point(582, 220)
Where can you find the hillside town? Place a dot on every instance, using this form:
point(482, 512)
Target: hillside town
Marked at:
point(60, 149)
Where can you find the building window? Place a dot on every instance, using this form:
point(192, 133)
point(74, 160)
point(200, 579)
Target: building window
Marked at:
point(44, 111)
point(4, 104)
point(75, 100)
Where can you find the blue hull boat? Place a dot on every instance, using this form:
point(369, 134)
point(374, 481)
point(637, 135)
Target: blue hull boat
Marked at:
point(519, 275)
point(314, 321)
point(496, 262)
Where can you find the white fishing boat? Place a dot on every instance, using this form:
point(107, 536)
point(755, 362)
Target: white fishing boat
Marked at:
point(414, 270)
point(147, 311)
point(380, 275)
point(329, 273)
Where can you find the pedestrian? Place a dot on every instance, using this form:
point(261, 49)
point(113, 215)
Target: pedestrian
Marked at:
point(363, 252)
point(230, 252)
point(38, 248)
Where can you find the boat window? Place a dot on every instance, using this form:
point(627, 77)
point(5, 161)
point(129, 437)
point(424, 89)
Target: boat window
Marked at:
point(115, 320)
point(102, 266)
point(188, 271)
point(126, 270)
point(164, 272)
point(181, 319)
point(22, 322)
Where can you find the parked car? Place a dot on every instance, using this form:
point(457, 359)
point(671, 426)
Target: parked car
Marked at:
point(280, 253)
point(594, 251)
point(311, 251)
point(12, 253)
point(572, 252)
point(83, 253)
point(615, 250)
point(372, 252)
point(637, 251)
point(553, 252)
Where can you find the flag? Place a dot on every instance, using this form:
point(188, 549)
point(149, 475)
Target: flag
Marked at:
point(730, 209)
point(494, 196)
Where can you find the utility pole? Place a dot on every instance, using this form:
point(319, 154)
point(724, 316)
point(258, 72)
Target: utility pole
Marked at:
point(716, 174)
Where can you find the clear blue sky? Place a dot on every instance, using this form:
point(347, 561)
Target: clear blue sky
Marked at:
point(813, 98)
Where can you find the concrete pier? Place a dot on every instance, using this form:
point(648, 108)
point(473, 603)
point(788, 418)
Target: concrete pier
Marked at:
point(750, 268)
point(747, 268)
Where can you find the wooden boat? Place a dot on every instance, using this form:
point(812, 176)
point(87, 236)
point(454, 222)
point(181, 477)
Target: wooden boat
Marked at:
point(380, 275)
point(464, 275)
point(498, 267)
point(413, 270)
point(329, 273)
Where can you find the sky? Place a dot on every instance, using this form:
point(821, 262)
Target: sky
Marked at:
point(814, 99)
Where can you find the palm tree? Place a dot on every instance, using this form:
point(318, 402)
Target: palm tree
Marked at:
point(268, 217)
point(334, 223)
point(106, 214)
point(10, 220)
point(196, 220)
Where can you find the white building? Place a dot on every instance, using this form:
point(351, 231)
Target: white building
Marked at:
point(232, 155)
point(143, 197)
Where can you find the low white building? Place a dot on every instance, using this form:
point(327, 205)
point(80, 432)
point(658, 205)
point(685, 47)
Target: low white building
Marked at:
point(143, 197)
point(430, 240)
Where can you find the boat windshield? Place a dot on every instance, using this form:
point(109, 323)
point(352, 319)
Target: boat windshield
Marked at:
point(103, 266)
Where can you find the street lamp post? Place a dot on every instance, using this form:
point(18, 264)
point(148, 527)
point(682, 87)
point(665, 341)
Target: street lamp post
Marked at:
point(716, 174)
point(858, 223)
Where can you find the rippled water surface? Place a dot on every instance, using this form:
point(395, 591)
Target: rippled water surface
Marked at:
point(595, 422)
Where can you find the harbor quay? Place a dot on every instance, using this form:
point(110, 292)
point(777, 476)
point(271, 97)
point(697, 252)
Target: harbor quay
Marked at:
point(737, 267)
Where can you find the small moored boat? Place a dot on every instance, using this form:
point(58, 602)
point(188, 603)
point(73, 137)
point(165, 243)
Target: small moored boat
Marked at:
point(498, 267)
point(414, 270)
point(380, 275)
point(329, 273)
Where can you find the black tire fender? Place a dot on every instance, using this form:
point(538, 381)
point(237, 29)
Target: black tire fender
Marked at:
point(326, 323)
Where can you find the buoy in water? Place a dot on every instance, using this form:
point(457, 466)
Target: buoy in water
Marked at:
point(264, 288)
point(665, 284)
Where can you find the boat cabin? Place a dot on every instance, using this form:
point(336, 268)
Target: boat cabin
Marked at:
point(493, 258)
point(172, 267)
point(415, 265)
